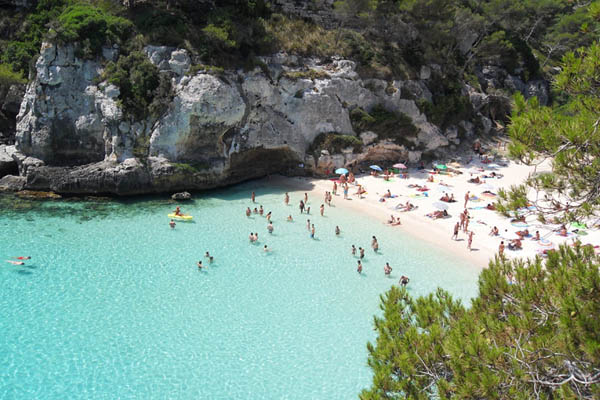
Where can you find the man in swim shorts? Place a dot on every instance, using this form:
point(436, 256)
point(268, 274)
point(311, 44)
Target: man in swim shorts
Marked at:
point(172, 224)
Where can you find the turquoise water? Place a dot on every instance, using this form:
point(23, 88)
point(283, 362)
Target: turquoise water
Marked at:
point(111, 305)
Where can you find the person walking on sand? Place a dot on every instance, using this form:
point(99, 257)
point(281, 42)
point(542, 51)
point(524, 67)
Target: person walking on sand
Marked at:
point(346, 191)
point(462, 220)
point(334, 188)
point(470, 240)
point(253, 197)
point(322, 209)
point(286, 199)
point(467, 198)
point(456, 228)
point(466, 223)
point(501, 249)
point(359, 267)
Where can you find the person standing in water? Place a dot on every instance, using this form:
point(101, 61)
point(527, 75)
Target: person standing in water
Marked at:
point(404, 280)
point(301, 206)
point(199, 264)
point(375, 244)
point(172, 224)
point(359, 267)
point(354, 250)
point(312, 231)
point(248, 212)
point(387, 269)
point(286, 200)
point(308, 210)
point(470, 242)
point(337, 230)
point(322, 209)
point(253, 197)
point(362, 252)
point(306, 198)
point(270, 227)
point(308, 225)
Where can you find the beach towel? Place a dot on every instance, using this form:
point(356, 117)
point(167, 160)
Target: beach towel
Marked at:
point(519, 224)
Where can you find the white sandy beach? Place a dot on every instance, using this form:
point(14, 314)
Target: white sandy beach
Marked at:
point(439, 231)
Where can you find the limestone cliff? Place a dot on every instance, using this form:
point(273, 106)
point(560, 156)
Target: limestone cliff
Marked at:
point(72, 135)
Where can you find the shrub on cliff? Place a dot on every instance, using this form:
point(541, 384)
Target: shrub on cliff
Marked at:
point(9, 77)
point(143, 90)
point(91, 27)
point(386, 124)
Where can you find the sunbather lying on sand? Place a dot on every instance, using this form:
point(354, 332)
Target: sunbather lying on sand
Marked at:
point(438, 214)
point(406, 207)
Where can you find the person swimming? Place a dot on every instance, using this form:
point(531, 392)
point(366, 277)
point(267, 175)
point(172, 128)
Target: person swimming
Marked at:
point(23, 258)
point(266, 249)
point(199, 264)
point(15, 262)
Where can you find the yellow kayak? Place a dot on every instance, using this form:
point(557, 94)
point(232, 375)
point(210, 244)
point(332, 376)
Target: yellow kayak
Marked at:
point(180, 217)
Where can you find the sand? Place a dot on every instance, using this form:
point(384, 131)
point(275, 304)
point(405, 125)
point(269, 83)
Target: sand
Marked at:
point(438, 232)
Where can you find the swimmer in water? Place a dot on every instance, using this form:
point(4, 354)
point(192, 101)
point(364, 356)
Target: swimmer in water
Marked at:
point(23, 258)
point(251, 237)
point(387, 269)
point(255, 211)
point(404, 280)
point(353, 250)
point(362, 252)
point(359, 267)
point(289, 218)
point(308, 210)
point(199, 264)
point(305, 197)
point(337, 230)
point(269, 216)
point(322, 209)
point(210, 258)
point(248, 212)
point(172, 224)
point(312, 231)
point(260, 210)
point(265, 249)
point(15, 262)
point(253, 196)
point(270, 227)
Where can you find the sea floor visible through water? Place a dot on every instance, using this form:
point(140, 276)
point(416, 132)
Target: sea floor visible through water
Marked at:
point(112, 305)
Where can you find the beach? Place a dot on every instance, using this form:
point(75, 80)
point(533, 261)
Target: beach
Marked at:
point(438, 232)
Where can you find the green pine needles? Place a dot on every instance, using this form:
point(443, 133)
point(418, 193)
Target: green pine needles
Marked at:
point(533, 332)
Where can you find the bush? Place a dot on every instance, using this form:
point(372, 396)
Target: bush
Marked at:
point(335, 143)
point(310, 74)
point(386, 124)
point(92, 27)
point(9, 77)
point(144, 91)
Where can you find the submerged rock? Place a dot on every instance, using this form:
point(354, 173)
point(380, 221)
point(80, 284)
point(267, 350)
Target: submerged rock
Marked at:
point(32, 194)
point(181, 196)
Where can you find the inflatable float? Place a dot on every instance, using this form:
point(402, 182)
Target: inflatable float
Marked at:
point(180, 217)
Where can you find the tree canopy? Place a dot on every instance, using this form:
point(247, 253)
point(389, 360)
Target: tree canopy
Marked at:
point(567, 134)
point(532, 332)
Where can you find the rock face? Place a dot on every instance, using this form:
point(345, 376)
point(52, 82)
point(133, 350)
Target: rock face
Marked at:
point(72, 136)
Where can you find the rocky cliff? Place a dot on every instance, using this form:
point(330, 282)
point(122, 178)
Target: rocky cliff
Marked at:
point(72, 135)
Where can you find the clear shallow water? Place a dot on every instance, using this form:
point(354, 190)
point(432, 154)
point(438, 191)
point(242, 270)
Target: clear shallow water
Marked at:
point(112, 305)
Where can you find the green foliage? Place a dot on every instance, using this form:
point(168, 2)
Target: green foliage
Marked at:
point(211, 69)
point(91, 27)
point(335, 143)
point(386, 124)
point(308, 74)
point(9, 77)
point(143, 90)
point(194, 168)
point(532, 332)
point(568, 133)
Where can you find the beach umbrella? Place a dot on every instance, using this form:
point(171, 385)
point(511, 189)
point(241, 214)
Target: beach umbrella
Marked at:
point(341, 171)
point(441, 166)
point(376, 168)
point(400, 166)
point(440, 206)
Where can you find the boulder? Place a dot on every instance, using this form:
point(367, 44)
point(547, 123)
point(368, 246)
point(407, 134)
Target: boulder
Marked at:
point(12, 183)
point(368, 137)
point(8, 166)
point(181, 196)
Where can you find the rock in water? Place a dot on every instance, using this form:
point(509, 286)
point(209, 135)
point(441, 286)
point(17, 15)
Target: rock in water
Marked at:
point(182, 196)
